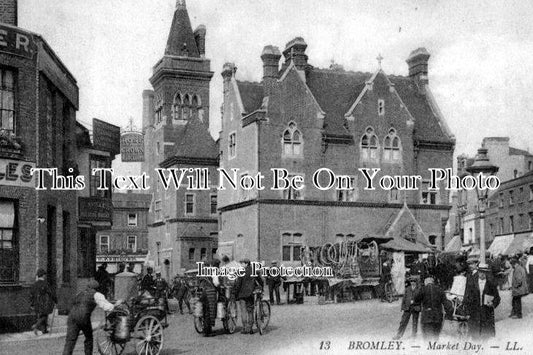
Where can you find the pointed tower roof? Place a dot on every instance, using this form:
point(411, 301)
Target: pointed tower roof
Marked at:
point(181, 37)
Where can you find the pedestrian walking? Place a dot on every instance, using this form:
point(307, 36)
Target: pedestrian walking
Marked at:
point(274, 282)
point(433, 303)
point(480, 299)
point(410, 309)
point(79, 317)
point(104, 279)
point(42, 301)
point(180, 290)
point(160, 290)
point(244, 290)
point(519, 288)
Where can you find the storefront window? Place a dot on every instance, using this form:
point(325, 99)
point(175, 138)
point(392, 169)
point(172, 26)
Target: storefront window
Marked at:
point(8, 245)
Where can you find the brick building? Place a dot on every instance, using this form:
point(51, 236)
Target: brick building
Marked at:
point(511, 162)
point(509, 221)
point(127, 241)
point(39, 100)
point(303, 118)
point(182, 224)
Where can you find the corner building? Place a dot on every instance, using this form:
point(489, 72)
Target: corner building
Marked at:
point(182, 224)
point(303, 118)
point(38, 104)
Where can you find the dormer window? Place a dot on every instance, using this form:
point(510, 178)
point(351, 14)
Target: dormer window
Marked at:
point(381, 107)
point(369, 145)
point(292, 141)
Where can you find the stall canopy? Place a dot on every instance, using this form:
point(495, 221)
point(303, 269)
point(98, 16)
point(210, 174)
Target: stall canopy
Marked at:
point(501, 244)
point(400, 244)
point(520, 243)
point(454, 245)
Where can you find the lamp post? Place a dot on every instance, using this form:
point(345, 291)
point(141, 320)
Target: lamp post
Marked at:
point(482, 165)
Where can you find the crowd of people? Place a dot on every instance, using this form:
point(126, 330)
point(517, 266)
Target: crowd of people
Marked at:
point(425, 297)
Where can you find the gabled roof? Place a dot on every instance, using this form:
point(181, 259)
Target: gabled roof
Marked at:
point(195, 141)
point(251, 95)
point(181, 35)
point(515, 151)
point(335, 91)
point(427, 126)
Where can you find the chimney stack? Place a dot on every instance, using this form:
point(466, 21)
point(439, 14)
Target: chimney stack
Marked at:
point(199, 38)
point(148, 109)
point(270, 58)
point(8, 12)
point(228, 71)
point(418, 65)
point(295, 50)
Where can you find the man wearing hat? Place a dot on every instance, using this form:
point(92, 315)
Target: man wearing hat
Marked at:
point(42, 301)
point(79, 317)
point(433, 301)
point(409, 308)
point(161, 289)
point(519, 287)
point(480, 299)
point(147, 282)
point(273, 282)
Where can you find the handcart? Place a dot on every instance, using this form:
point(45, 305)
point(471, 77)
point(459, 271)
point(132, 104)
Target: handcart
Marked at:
point(456, 297)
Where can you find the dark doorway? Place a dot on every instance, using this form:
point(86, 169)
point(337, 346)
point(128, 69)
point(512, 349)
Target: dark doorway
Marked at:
point(51, 233)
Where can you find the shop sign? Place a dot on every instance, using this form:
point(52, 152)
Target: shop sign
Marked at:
point(132, 147)
point(16, 173)
point(106, 137)
point(17, 42)
point(95, 209)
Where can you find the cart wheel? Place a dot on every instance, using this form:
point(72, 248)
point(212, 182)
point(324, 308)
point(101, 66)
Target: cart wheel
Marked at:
point(262, 315)
point(199, 324)
point(105, 345)
point(230, 320)
point(149, 335)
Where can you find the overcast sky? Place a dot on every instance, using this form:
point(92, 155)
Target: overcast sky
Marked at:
point(480, 70)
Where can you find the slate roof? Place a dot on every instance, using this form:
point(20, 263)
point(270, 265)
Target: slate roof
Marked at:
point(336, 91)
point(195, 141)
point(251, 95)
point(181, 33)
point(515, 151)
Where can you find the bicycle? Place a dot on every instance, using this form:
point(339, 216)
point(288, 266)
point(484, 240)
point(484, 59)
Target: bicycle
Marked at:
point(229, 320)
point(261, 311)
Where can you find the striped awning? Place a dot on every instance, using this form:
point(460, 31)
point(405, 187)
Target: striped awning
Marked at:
point(500, 244)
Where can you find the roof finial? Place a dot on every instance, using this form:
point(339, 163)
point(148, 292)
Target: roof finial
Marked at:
point(180, 4)
point(379, 58)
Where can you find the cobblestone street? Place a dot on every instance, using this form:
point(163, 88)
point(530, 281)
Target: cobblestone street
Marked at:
point(303, 329)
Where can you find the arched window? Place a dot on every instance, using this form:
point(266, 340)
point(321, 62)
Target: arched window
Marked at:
point(292, 141)
point(176, 107)
point(158, 109)
point(391, 146)
point(186, 107)
point(369, 145)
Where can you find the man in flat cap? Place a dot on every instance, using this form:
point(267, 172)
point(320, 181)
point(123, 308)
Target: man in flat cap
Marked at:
point(273, 282)
point(244, 290)
point(433, 302)
point(519, 287)
point(79, 317)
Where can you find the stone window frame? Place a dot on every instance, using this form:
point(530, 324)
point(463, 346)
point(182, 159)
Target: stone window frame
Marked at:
point(381, 107)
point(135, 219)
point(232, 145)
point(350, 195)
point(192, 203)
point(430, 193)
point(290, 245)
point(134, 249)
point(211, 210)
point(389, 149)
point(290, 143)
point(5, 89)
point(369, 145)
point(158, 110)
point(101, 244)
point(293, 194)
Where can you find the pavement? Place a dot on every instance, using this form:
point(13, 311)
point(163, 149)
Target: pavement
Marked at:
point(311, 328)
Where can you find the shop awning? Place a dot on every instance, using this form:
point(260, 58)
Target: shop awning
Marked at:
point(401, 244)
point(454, 245)
point(520, 243)
point(7, 214)
point(500, 244)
